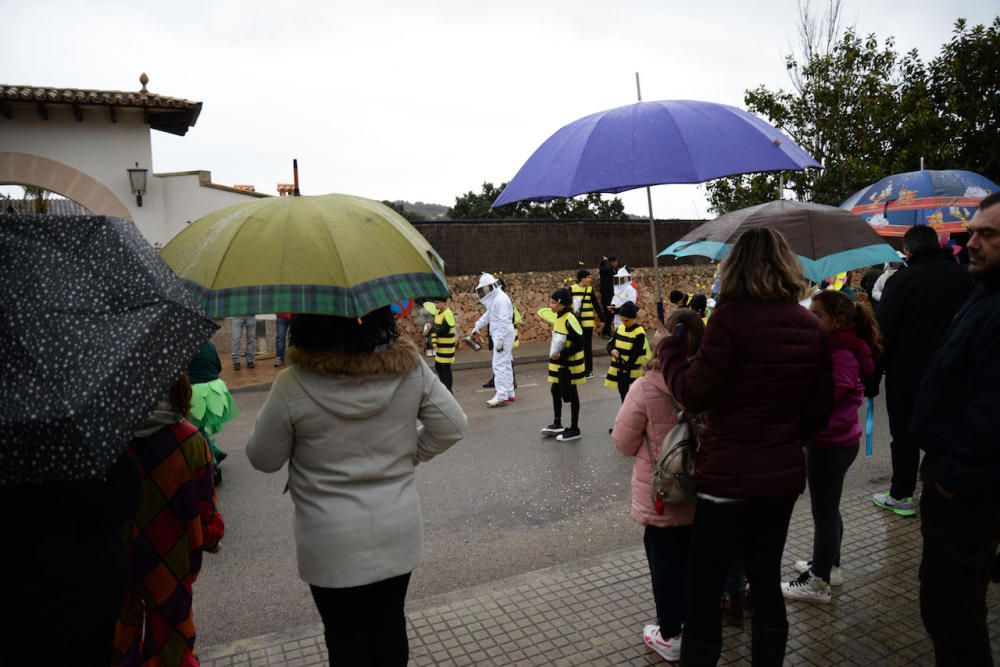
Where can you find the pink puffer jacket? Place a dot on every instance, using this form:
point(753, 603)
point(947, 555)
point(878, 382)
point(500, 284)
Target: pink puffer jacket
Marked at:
point(647, 412)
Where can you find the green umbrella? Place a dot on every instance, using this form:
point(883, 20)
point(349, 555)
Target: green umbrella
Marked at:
point(330, 254)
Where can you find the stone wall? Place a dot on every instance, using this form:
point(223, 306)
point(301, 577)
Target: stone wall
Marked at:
point(517, 247)
point(529, 292)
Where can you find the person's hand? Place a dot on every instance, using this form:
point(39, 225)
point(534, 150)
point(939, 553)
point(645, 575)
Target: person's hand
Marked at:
point(615, 354)
point(427, 328)
point(555, 357)
point(947, 495)
point(611, 309)
point(215, 549)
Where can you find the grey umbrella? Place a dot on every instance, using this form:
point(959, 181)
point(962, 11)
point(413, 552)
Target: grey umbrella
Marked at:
point(95, 328)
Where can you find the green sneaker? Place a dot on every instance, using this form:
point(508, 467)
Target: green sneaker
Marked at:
point(904, 507)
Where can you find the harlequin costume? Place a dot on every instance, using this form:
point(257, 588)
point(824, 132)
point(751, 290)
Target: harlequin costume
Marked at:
point(211, 403)
point(584, 308)
point(567, 367)
point(176, 521)
point(633, 351)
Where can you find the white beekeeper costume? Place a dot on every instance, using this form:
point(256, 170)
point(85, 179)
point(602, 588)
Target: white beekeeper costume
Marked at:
point(500, 316)
point(623, 292)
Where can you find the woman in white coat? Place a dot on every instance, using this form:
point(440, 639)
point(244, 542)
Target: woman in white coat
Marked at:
point(344, 416)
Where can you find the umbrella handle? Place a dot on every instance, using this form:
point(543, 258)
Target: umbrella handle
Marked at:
point(659, 311)
point(869, 426)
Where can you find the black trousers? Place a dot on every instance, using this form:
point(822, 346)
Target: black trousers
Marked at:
point(566, 391)
point(905, 452)
point(588, 350)
point(667, 552)
point(760, 528)
point(826, 469)
point(94, 650)
point(365, 625)
point(444, 374)
point(960, 544)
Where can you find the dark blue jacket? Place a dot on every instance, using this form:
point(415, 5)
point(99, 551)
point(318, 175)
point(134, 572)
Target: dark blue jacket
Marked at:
point(959, 399)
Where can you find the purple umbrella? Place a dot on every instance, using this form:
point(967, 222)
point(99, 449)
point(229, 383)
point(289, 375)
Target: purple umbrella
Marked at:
point(652, 143)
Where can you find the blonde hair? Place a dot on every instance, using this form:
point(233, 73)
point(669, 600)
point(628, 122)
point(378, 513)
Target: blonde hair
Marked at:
point(761, 266)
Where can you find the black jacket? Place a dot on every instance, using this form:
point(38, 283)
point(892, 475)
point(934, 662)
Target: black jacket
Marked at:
point(955, 416)
point(917, 306)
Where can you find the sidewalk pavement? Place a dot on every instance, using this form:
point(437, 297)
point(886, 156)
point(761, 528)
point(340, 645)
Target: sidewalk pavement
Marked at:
point(261, 377)
point(591, 612)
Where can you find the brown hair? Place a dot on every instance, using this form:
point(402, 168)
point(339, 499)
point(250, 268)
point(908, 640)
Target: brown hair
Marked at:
point(694, 331)
point(179, 395)
point(761, 266)
point(859, 315)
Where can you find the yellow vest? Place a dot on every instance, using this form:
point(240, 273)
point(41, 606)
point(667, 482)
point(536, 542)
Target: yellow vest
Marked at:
point(586, 316)
point(444, 344)
point(624, 341)
point(576, 363)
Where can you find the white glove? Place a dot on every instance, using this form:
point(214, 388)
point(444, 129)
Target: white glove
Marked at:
point(427, 328)
point(498, 344)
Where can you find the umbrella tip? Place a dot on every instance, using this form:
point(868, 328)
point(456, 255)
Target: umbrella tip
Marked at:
point(777, 142)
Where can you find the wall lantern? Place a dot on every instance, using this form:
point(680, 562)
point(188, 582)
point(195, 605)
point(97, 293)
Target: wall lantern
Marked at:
point(137, 179)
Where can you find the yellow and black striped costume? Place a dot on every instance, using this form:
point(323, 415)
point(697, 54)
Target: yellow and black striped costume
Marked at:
point(633, 349)
point(572, 354)
point(443, 337)
point(587, 315)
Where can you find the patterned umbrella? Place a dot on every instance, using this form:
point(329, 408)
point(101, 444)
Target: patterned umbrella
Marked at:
point(945, 200)
point(827, 240)
point(95, 328)
point(329, 254)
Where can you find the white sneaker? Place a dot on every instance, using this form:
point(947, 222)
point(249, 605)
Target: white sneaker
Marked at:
point(807, 588)
point(668, 649)
point(496, 402)
point(836, 575)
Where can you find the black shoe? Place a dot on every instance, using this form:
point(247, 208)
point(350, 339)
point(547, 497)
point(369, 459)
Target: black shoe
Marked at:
point(554, 428)
point(236, 365)
point(569, 434)
point(250, 364)
point(490, 385)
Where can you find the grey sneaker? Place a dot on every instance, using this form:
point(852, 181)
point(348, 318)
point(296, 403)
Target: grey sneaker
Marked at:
point(904, 507)
point(836, 575)
point(807, 588)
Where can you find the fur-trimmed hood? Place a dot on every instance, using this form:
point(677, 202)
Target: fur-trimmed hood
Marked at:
point(401, 357)
point(354, 386)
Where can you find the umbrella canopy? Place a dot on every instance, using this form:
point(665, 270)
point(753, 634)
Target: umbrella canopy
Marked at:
point(828, 240)
point(652, 143)
point(945, 199)
point(95, 329)
point(329, 254)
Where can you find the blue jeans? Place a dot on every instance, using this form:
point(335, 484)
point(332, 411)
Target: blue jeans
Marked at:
point(281, 328)
point(241, 324)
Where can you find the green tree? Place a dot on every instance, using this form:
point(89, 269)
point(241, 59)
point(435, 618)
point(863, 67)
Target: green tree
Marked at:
point(476, 206)
point(39, 198)
point(865, 111)
point(409, 214)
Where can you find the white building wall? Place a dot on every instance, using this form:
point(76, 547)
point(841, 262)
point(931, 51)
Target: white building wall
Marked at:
point(104, 151)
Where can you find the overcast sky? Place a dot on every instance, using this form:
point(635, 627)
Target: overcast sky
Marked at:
point(421, 100)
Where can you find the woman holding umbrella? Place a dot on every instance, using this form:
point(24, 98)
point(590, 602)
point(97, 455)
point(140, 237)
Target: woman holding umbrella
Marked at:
point(344, 416)
point(763, 381)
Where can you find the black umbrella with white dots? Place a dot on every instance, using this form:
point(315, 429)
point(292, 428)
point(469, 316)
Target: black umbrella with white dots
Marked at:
point(94, 329)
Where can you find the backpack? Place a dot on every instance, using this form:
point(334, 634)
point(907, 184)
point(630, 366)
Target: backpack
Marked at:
point(673, 469)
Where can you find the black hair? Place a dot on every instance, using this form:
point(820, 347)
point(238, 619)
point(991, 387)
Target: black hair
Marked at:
point(921, 240)
point(612, 258)
point(699, 304)
point(562, 296)
point(328, 333)
point(582, 273)
point(990, 200)
point(676, 296)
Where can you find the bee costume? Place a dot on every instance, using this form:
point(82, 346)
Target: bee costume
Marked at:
point(633, 352)
point(567, 367)
point(443, 339)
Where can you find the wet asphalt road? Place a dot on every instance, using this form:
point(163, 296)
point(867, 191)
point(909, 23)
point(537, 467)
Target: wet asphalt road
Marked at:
point(503, 502)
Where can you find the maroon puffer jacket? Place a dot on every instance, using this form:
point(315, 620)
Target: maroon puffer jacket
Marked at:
point(764, 381)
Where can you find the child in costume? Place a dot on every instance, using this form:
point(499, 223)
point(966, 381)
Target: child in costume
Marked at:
point(629, 351)
point(443, 337)
point(566, 364)
point(211, 403)
point(584, 308)
point(624, 292)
